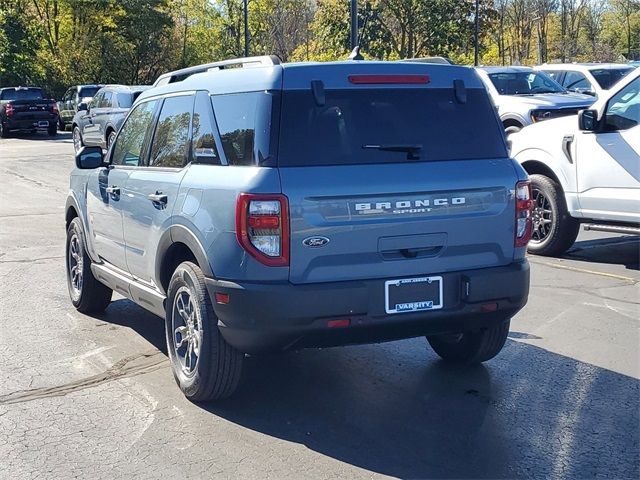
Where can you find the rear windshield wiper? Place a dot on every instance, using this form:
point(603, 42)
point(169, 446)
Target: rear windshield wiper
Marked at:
point(412, 150)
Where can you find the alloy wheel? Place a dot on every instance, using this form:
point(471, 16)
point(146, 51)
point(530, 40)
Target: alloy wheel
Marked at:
point(77, 140)
point(75, 265)
point(542, 216)
point(187, 330)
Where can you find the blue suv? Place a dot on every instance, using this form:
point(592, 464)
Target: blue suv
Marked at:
point(259, 206)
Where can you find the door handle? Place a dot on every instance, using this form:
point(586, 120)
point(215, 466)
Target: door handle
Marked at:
point(158, 197)
point(113, 190)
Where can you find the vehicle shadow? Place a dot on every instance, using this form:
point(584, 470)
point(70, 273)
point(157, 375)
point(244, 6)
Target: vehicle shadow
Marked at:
point(396, 409)
point(623, 250)
point(39, 136)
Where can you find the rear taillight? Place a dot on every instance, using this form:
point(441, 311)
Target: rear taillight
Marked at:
point(262, 227)
point(54, 108)
point(524, 205)
point(8, 110)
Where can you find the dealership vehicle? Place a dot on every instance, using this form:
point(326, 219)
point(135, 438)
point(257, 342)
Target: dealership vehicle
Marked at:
point(97, 122)
point(524, 96)
point(270, 207)
point(26, 109)
point(585, 169)
point(73, 97)
point(589, 78)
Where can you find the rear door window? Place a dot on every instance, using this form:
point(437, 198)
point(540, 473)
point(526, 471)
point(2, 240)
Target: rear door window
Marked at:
point(171, 138)
point(364, 126)
point(204, 143)
point(576, 80)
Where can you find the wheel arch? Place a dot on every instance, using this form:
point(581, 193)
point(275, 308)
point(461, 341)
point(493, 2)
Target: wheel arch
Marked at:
point(177, 245)
point(535, 167)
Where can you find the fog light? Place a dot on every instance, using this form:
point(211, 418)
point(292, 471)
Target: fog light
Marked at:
point(339, 323)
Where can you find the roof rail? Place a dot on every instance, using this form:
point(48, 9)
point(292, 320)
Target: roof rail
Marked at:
point(182, 74)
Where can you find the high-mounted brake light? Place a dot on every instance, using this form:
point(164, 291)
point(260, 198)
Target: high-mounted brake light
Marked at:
point(524, 206)
point(8, 110)
point(262, 227)
point(388, 79)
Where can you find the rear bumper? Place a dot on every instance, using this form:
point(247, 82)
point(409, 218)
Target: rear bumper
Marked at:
point(17, 123)
point(273, 317)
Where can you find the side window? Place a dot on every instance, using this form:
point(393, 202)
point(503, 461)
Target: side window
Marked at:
point(236, 118)
point(130, 141)
point(576, 80)
point(68, 95)
point(96, 102)
point(106, 100)
point(204, 145)
point(555, 74)
point(171, 138)
point(124, 100)
point(623, 109)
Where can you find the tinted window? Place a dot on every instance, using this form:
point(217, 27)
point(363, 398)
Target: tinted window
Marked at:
point(125, 100)
point(204, 145)
point(69, 94)
point(130, 142)
point(169, 147)
point(623, 110)
point(608, 77)
point(353, 124)
point(524, 83)
point(576, 80)
point(22, 94)
point(554, 74)
point(88, 91)
point(237, 116)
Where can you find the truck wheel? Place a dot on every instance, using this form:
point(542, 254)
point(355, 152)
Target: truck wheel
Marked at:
point(111, 136)
point(61, 125)
point(77, 139)
point(471, 347)
point(87, 294)
point(204, 365)
point(52, 130)
point(554, 230)
point(4, 132)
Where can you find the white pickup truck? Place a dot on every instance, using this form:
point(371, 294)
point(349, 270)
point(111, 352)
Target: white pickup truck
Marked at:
point(584, 169)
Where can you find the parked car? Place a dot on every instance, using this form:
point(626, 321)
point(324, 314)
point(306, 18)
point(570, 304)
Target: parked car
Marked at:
point(286, 206)
point(585, 169)
point(524, 96)
point(75, 95)
point(589, 78)
point(26, 109)
point(97, 122)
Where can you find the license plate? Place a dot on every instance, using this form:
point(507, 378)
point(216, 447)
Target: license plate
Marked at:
point(413, 294)
point(43, 124)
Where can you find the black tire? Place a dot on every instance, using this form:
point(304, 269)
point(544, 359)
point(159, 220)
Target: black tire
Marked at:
point(512, 128)
point(471, 347)
point(216, 372)
point(554, 230)
point(88, 295)
point(76, 137)
point(52, 130)
point(111, 136)
point(4, 132)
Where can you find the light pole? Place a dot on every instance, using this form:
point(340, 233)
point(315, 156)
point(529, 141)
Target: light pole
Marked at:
point(354, 24)
point(476, 34)
point(246, 27)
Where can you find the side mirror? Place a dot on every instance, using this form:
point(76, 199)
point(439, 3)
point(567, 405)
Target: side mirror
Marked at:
point(89, 157)
point(83, 107)
point(585, 91)
point(588, 120)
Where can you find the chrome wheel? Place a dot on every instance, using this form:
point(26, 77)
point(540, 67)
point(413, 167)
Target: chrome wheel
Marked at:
point(110, 139)
point(542, 216)
point(77, 139)
point(187, 330)
point(75, 265)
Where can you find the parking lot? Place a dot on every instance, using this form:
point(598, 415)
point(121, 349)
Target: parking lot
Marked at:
point(93, 397)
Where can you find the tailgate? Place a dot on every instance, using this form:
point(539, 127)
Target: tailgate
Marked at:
point(31, 109)
point(398, 220)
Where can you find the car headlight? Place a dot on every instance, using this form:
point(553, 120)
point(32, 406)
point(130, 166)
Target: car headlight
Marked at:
point(540, 115)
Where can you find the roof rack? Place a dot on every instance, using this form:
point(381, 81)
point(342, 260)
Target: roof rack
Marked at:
point(182, 74)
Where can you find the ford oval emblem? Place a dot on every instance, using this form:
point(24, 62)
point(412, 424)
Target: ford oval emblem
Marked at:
point(315, 242)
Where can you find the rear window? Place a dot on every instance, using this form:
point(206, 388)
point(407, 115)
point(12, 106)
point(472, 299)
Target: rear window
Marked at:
point(88, 91)
point(608, 77)
point(365, 126)
point(22, 94)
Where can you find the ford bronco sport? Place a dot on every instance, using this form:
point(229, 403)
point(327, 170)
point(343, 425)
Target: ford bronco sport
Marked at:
point(260, 206)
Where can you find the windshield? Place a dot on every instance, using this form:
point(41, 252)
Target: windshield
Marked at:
point(524, 83)
point(365, 126)
point(88, 91)
point(22, 94)
point(608, 77)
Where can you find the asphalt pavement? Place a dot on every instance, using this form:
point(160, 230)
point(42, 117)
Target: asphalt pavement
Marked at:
point(93, 397)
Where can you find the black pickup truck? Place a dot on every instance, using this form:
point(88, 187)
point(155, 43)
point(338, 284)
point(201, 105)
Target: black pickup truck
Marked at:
point(26, 109)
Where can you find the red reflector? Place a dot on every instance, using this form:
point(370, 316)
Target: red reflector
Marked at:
point(340, 323)
point(489, 307)
point(387, 79)
point(222, 298)
point(264, 221)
